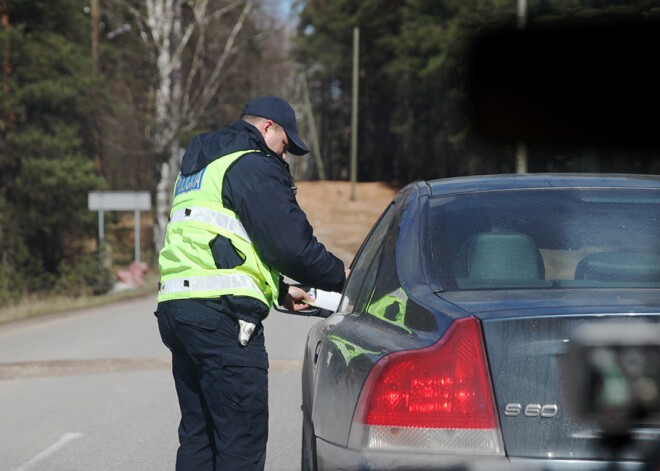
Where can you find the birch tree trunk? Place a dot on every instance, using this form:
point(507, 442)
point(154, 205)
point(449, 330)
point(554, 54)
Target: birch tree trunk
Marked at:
point(164, 20)
point(181, 96)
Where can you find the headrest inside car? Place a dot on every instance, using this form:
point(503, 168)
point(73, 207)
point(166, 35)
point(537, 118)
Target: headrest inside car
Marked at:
point(504, 256)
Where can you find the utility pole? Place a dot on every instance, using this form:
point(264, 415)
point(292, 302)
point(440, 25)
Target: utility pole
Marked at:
point(312, 126)
point(521, 147)
point(522, 14)
point(6, 118)
point(94, 13)
point(6, 62)
point(354, 110)
point(95, 18)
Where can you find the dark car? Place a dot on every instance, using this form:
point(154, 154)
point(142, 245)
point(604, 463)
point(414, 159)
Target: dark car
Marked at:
point(452, 344)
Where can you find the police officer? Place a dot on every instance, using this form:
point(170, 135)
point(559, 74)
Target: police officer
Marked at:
point(234, 228)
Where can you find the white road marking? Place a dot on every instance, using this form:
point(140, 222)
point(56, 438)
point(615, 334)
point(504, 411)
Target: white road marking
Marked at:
point(54, 448)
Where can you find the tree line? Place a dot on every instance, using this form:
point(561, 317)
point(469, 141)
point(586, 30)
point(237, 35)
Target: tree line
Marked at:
point(105, 94)
point(415, 119)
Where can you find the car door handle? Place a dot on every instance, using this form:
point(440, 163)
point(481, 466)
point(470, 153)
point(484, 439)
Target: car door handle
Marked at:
point(317, 353)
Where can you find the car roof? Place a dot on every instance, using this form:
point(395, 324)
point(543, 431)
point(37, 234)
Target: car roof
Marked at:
point(471, 184)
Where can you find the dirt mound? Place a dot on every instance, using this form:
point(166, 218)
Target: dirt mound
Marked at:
point(338, 222)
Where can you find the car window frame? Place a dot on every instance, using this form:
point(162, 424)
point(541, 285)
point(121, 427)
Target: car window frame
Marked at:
point(384, 221)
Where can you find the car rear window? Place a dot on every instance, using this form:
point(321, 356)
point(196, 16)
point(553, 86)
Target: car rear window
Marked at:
point(577, 238)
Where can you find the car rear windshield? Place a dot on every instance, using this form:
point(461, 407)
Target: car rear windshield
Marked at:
point(577, 238)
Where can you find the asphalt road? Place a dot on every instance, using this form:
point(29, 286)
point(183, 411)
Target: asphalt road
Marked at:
point(92, 389)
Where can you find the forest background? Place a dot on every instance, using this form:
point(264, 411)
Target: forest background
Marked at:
point(103, 95)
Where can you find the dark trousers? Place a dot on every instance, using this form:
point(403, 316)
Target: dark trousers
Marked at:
point(222, 389)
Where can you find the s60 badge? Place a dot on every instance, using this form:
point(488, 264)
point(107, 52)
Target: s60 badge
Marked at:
point(546, 411)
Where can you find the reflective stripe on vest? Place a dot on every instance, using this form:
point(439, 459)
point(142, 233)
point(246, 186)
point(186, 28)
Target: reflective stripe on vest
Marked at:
point(208, 283)
point(214, 218)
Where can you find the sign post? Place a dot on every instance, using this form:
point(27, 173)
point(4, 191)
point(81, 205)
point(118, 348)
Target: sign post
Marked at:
point(119, 201)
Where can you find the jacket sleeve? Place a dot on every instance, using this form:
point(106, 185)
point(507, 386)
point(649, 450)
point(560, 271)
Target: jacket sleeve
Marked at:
point(259, 190)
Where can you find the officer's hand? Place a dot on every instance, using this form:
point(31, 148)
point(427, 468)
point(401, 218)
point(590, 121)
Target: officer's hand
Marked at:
point(294, 299)
point(245, 330)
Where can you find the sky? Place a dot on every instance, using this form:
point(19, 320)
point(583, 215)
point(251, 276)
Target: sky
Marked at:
point(283, 7)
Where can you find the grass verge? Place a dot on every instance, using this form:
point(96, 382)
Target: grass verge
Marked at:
point(36, 306)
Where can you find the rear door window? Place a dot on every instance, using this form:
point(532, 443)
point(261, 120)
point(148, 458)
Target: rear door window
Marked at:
point(364, 268)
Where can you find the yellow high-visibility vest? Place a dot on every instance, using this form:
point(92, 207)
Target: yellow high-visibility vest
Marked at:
point(187, 266)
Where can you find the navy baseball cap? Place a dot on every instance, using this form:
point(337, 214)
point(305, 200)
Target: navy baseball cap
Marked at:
point(278, 110)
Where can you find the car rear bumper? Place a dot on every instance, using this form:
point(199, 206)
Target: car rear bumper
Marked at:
point(520, 464)
point(334, 457)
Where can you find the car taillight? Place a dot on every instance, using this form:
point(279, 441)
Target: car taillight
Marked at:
point(437, 398)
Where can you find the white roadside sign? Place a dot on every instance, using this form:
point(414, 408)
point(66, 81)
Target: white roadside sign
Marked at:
point(119, 201)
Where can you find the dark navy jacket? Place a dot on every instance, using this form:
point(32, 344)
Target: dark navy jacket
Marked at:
point(260, 190)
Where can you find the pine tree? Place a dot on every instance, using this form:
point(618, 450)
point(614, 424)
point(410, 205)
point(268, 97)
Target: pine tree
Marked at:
point(47, 170)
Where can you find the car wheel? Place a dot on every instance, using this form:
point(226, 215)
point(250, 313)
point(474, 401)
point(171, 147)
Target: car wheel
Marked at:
point(307, 449)
point(304, 456)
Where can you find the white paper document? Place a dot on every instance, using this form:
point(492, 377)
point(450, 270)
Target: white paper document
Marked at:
point(325, 299)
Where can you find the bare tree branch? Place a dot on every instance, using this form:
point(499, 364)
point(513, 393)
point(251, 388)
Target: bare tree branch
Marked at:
point(182, 93)
point(212, 85)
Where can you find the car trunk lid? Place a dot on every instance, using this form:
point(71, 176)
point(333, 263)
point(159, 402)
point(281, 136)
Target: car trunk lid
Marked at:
point(528, 354)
